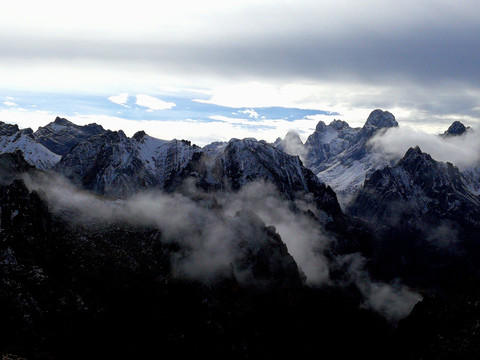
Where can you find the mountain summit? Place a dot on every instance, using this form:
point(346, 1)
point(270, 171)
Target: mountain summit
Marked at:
point(62, 135)
point(381, 119)
point(457, 128)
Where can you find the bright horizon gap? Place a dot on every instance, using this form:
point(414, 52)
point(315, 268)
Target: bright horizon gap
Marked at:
point(201, 132)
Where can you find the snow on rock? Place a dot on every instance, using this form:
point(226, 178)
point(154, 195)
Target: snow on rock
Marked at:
point(62, 135)
point(118, 166)
point(416, 190)
point(341, 156)
point(115, 165)
point(13, 139)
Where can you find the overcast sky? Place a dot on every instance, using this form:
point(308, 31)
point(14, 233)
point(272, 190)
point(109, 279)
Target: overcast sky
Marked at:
point(418, 59)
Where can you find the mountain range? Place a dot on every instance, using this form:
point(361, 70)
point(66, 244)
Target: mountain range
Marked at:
point(240, 248)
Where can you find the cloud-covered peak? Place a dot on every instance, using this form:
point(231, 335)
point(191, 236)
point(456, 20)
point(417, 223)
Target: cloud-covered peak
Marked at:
point(457, 128)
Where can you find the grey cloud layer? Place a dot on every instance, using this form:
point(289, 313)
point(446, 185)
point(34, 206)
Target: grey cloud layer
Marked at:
point(427, 56)
point(415, 55)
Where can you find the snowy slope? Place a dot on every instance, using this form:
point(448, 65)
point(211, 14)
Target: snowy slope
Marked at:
point(13, 139)
point(328, 141)
point(162, 158)
point(115, 165)
point(118, 166)
point(417, 191)
point(341, 156)
point(471, 177)
point(248, 159)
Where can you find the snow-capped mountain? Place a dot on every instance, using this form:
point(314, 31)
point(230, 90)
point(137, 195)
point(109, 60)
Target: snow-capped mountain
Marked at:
point(456, 129)
point(115, 165)
point(346, 171)
point(13, 139)
point(417, 192)
point(45, 147)
point(470, 174)
point(243, 161)
point(62, 135)
point(471, 177)
point(426, 219)
point(327, 141)
point(238, 162)
point(340, 155)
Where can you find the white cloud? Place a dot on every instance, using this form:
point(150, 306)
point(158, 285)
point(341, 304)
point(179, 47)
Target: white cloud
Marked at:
point(250, 112)
point(339, 97)
point(9, 103)
point(153, 104)
point(463, 151)
point(120, 99)
point(26, 119)
point(216, 44)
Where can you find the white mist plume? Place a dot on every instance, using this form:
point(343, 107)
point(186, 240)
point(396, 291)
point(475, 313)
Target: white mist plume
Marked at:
point(207, 235)
point(293, 145)
point(463, 151)
point(394, 301)
point(444, 236)
point(211, 233)
point(302, 235)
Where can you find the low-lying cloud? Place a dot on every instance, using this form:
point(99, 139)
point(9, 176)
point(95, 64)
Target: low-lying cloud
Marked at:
point(211, 228)
point(463, 151)
point(394, 301)
point(303, 236)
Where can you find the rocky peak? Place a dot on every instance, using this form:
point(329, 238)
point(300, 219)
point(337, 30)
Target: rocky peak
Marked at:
point(377, 120)
point(63, 121)
point(292, 134)
point(339, 124)
point(415, 155)
point(114, 136)
point(457, 128)
point(27, 131)
point(61, 135)
point(321, 127)
point(381, 119)
point(291, 144)
point(139, 135)
point(8, 129)
point(94, 128)
point(413, 151)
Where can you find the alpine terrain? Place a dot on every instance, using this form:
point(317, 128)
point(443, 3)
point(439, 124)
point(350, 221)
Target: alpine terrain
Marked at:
point(117, 247)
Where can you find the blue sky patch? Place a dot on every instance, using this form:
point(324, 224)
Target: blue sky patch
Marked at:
point(66, 105)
